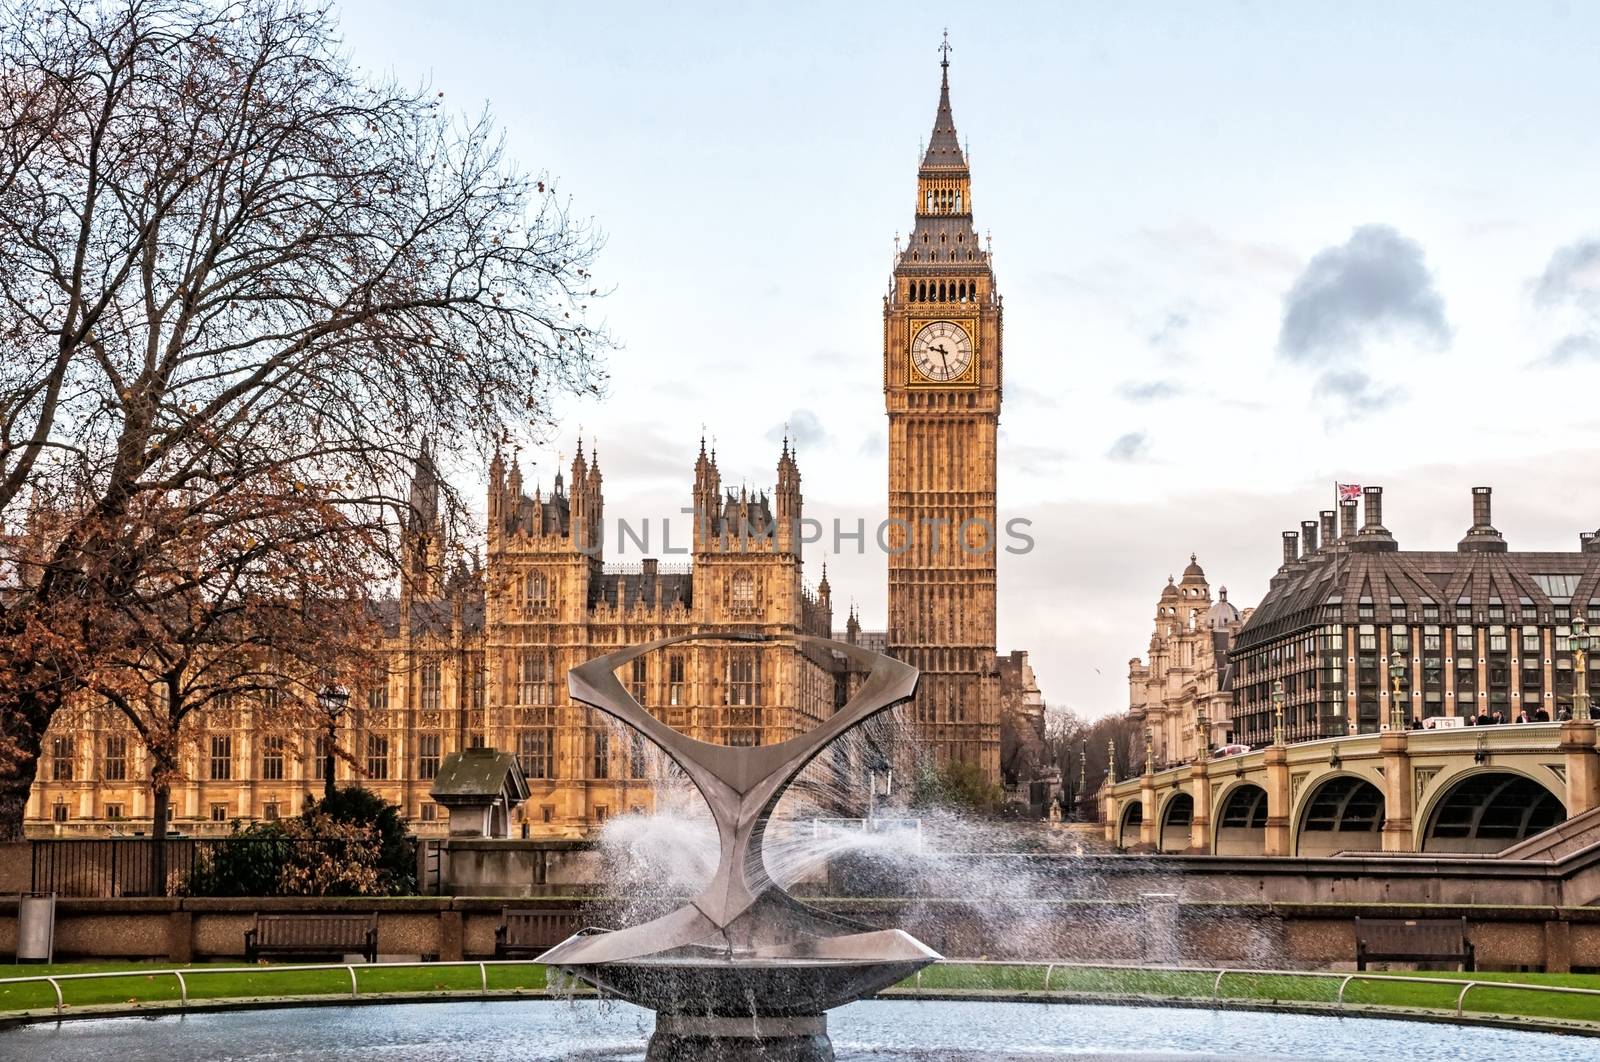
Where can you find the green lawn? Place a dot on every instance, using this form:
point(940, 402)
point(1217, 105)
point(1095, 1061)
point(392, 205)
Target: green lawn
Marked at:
point(1285, 987)
point(142, 984)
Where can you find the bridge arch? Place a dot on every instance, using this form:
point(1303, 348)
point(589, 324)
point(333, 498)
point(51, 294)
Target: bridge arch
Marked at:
point(1131, 819)
point(1488, 809)
point(1340, 812)
point(1239, 823)
point(1177, 815)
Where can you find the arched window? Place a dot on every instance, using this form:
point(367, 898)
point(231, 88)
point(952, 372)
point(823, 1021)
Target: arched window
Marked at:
point(958, 202)
point(743, 592)
point(930, 202)
point(535, 591)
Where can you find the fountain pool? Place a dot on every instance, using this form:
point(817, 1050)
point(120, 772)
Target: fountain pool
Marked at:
point(880, 1030)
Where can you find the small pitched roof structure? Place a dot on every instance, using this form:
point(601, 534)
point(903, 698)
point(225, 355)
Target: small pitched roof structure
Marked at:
point(478, 773)
point(481, 781)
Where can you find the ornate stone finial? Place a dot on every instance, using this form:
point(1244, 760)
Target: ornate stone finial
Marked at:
point(944, 51)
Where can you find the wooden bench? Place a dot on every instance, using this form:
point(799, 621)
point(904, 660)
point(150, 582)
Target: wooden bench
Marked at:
point(1413, 940)
point(532, 931)
point(312, 935)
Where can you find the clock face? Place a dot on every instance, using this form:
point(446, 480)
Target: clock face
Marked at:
point(942, 351)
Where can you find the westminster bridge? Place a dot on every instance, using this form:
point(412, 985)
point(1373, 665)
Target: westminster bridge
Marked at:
point(1462, 790)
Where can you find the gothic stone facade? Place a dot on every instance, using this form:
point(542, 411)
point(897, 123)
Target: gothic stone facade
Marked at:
point(481, 657)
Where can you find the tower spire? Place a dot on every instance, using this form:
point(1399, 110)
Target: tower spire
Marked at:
point(944, 147)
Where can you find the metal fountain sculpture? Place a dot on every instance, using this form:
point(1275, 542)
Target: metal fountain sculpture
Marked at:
point(743, 970)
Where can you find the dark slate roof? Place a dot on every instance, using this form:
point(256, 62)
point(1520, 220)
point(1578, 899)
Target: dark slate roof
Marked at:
point(624, 589)
point(432, 615)
point(551, 515)
point(479, 772)
point(1332, 585)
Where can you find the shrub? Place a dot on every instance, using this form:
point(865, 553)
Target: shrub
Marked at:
point(353, 845)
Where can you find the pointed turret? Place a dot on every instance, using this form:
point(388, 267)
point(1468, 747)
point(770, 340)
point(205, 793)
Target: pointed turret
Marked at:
point(497, 498)
point(788, 501)
point(423, 509)
point(707, 497)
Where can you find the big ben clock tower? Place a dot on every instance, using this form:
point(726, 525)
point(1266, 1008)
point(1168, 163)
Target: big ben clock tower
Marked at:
point(941, 387)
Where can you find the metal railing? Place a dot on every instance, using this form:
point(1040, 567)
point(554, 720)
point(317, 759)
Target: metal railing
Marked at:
point(1344, 979)
point(184, 975)
point(107, 867)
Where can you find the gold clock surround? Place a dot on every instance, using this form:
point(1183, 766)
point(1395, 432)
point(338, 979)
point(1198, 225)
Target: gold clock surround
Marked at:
point(914, 377)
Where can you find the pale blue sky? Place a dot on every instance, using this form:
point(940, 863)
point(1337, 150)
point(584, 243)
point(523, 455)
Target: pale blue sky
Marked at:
point(1164, 183)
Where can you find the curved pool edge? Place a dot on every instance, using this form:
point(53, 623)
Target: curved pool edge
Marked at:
point(168, 1008)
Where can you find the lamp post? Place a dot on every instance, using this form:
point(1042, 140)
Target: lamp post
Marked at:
point(1397, 677)
point(880, 769)
point(1083, 778)
point(1579, 643)
point(332, 700)
point(1277, 712)
point(1111, 760)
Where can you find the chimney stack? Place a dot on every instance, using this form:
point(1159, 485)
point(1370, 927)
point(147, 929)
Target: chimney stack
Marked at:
point(1330, 528)
point(1374, 537)
point(1347, 522)
point(1481, 536)
point(1588, 543)
point(1291, 547)
point(1308, 536)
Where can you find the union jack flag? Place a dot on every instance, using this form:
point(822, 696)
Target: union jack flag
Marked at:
point(1349, 491)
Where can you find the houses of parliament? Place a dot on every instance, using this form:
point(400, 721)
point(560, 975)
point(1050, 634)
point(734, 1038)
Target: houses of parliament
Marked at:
point(479, 655)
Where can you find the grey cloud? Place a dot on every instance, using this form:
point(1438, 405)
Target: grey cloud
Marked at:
point(872, 445)
point(1375, 285)
point(1570, 287)
point(1134, 446)
point(1355, 392)
point(1150, 390)
point(1572, 275)
point(1169, 334)
point(804, 428)
point(1579, 346)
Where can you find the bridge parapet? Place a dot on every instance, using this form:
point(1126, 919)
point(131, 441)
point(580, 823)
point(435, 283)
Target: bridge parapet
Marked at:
point(1424, 781)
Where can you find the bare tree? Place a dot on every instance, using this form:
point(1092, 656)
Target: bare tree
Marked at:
point(1078, 747)
point(234, 264)
point(253, 608)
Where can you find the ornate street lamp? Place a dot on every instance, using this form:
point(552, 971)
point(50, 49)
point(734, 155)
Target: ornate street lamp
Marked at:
point(1083, 777)
point(1397, 676)
point(1111, 760)
point(1277, 712)
point(332, 700)
point(1579, 644)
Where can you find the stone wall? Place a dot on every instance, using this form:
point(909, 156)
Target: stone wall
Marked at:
point(1262, 935)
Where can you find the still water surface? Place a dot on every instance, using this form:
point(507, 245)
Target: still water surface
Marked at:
point(872, 1031)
